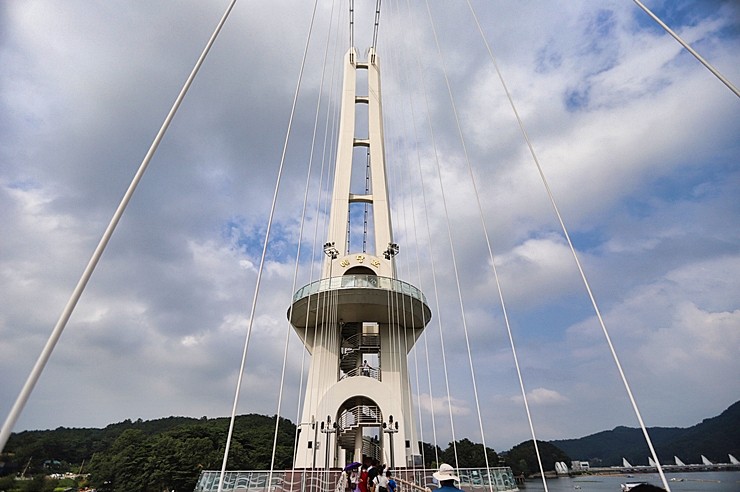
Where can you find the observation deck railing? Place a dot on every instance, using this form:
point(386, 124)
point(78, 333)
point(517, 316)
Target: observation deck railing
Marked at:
point(359, 282)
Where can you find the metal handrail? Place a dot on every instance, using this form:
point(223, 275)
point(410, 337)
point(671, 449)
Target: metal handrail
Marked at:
point(363, 340)
point(412, 485)
point(359, 282)
point(360, 414)
point(370, 372)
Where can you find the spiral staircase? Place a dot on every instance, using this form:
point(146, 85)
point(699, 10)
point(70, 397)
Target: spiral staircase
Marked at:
point(356, 343)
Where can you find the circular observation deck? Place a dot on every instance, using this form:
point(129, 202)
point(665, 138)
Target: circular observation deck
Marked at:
point(360, 298)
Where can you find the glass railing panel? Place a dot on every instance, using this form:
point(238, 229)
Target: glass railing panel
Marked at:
point(500, 479)
point(359, 281)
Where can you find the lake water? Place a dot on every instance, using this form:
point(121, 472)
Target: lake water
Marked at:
point(721, 481)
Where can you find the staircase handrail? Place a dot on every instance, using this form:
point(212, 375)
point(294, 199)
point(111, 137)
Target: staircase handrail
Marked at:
point(412, 485)
point(371, 373)
point(362, 340)
point(359, 417)
point(371, 448)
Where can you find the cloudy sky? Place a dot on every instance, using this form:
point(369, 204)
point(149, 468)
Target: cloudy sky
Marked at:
point(638, 141)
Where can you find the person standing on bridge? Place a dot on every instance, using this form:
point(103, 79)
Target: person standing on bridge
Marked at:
point(446, 478)
point(391, 483)
point(362, 481)
point(381, 482)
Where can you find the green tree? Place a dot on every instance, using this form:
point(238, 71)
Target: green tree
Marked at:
point(39, 483)
point(429, 454)
point(123, 466)
point(469, 454)
point(141, 461)
point(7, 483)
point(521, 468)
point(144, 456)
point(523, 459)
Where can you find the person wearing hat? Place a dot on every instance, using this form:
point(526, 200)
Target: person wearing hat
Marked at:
point(446, 477)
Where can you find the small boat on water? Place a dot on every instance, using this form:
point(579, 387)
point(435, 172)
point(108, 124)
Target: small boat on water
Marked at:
point(626, 487)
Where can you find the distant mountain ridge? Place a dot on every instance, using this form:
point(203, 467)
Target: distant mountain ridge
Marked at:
point(714, 438)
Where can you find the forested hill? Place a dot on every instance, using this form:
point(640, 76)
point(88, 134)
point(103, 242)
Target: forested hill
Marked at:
point(76, 445)
point(150, 455)
point(714, 438)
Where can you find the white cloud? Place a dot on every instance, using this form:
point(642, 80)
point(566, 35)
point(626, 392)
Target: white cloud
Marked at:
point(672, 335)
point(538, 270)
point(442, 406)
point(541, 396)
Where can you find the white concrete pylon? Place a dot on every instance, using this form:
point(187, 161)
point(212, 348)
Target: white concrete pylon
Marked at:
point(343, 196)
point(354, 411)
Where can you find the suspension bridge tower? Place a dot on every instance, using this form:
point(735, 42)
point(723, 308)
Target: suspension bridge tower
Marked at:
point(358, 321)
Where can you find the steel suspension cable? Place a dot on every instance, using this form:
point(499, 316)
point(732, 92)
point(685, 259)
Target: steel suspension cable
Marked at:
point(425, 208)
point(330, 135)
point(264, 254)
point(586, 284)
point(318, 211)
point(403, 330)
point(405, 192)
point(504, 309)
point(299, 410)
point(351, 23)
point(452, 246)
point(377, 24)
point(69, 308)
point(400, 177)
point(298, 249)
point(328, 155)
point(688, 48)
point(406, 187)
point(436, 291)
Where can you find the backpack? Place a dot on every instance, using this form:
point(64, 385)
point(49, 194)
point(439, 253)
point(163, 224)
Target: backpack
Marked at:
point(381, 488)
